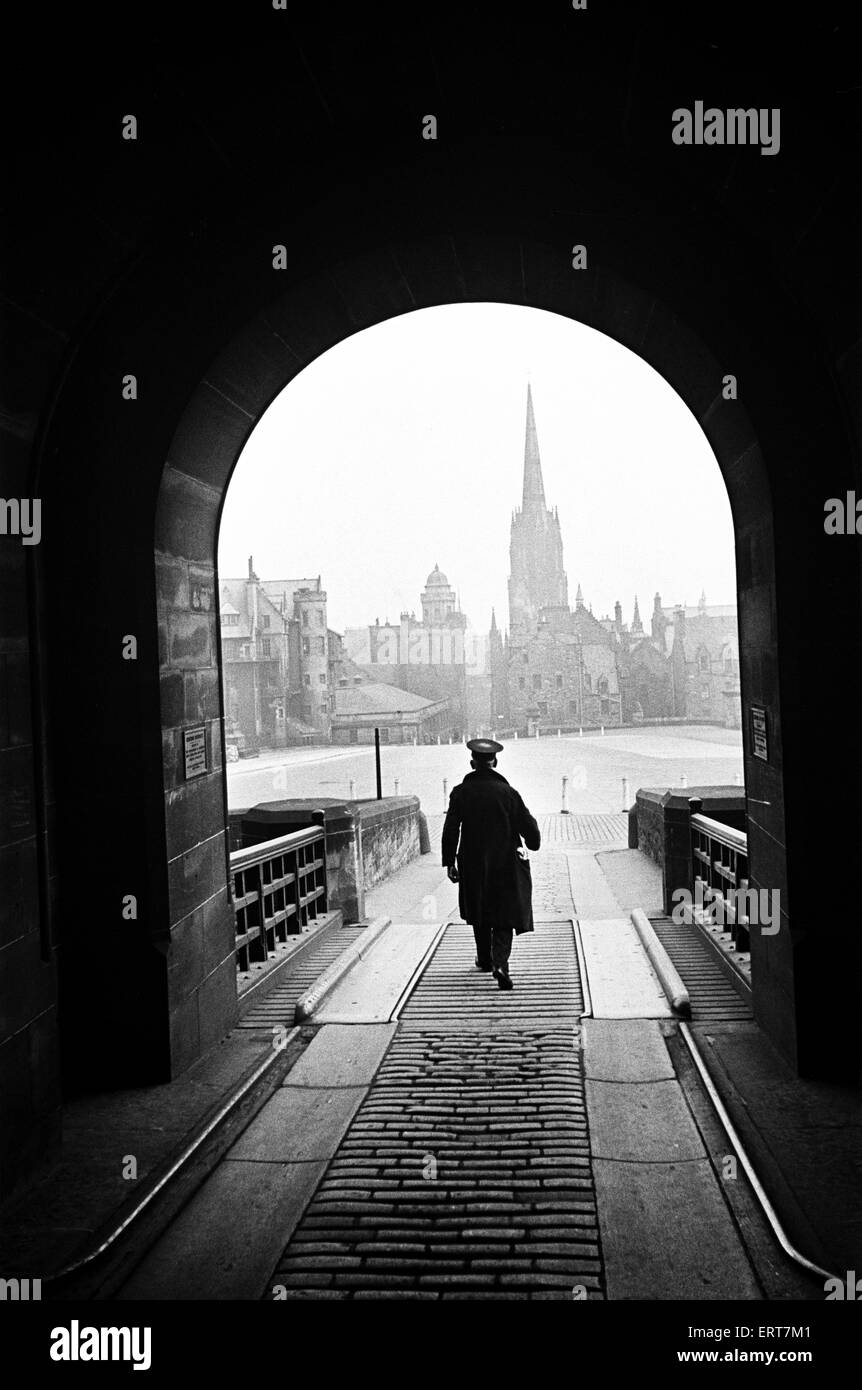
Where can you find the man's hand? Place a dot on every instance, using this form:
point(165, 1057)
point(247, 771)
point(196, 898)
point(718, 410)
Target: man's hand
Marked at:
point(453, 873)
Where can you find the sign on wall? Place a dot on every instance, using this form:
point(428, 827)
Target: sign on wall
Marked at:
point(195, 751)
point(759, 737)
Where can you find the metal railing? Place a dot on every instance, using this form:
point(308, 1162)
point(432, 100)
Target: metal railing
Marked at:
point(719, 862)
point(278, 888)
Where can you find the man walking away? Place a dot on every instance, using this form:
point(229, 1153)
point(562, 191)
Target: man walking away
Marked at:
point(485, 823)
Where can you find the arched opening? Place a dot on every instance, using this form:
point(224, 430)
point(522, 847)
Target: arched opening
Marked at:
point(427, 451)
point(171, 979)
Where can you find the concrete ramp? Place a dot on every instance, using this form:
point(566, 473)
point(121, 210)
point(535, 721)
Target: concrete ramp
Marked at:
point(370, 990)
point(622, 982)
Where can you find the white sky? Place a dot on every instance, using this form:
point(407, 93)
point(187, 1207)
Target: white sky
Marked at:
point(403, 446)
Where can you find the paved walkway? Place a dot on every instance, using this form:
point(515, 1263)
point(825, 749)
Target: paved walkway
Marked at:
point(477, 1144)
point(468, 1170)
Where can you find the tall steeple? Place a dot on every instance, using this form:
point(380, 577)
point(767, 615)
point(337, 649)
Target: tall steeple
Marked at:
point(534, 487)
point(537, 579)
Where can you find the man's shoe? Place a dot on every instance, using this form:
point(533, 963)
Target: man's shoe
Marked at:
point(480, 966)
point(504, 979)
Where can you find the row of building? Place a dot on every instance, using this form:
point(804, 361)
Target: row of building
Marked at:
point(289, 678)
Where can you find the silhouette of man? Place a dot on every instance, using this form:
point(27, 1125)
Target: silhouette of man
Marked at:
point(482, 853)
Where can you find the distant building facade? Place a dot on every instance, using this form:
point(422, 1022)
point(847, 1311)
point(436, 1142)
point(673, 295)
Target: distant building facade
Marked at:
point(560, 667)
point(281, 664)
point(434, 656)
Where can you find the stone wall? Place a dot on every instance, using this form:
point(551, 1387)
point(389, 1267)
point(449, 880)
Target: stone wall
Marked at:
point(390, 836)
point(366, 841)
point(721, 803)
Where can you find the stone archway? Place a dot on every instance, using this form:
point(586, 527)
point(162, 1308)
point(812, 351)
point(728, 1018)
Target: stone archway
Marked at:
point(226, 405)
point(168, 980)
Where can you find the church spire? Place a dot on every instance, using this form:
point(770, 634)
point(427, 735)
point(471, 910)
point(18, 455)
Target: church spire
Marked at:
point(534, 488)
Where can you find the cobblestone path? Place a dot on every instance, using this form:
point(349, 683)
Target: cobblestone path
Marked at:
point(466, 1171)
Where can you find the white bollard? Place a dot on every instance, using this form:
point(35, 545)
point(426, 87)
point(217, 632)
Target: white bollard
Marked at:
point(415, 742)
point(352, 788)
point(580, 733)
point(516, 735)
point(445, 795)
point(564, 808)
point(603, 731)
point(626, 797)
point(683, 781)
point(438, 740)
point(559, 733)
point(537, 733)
point(397, 786)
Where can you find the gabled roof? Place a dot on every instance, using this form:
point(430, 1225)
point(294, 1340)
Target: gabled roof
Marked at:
point(374, 698)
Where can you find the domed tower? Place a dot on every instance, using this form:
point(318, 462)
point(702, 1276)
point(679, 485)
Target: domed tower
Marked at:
point(439, 599)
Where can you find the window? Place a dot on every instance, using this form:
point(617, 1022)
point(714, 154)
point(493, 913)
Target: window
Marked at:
point(703, 659)
point(245, 651)
point(324, 708)
point(307, 679)
point(306, 646)
point(588, 681)
point(704, 694)
point(525, 658)
point(320, 646)
point(559, 682)
point(603, 685)
point(521, 683)
point(322, 679)
point(318, 617)
point(266, 620)
point(265, 647)
point(537, 682)
point(305, 617)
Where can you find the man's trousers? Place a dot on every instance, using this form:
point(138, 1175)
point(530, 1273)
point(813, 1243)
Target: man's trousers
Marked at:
point(493, 946)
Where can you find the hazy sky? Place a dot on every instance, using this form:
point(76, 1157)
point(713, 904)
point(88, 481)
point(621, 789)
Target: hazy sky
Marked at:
point(403, 447)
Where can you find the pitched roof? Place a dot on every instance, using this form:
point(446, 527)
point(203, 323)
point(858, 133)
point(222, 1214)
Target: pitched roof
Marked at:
point(374, 698)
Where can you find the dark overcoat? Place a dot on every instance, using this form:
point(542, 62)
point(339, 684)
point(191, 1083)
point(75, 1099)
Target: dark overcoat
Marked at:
point(481, 834)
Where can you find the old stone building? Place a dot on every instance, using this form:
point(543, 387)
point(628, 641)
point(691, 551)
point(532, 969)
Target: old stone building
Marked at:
point(281, 664)
point(560, 667)
point(435, 656)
